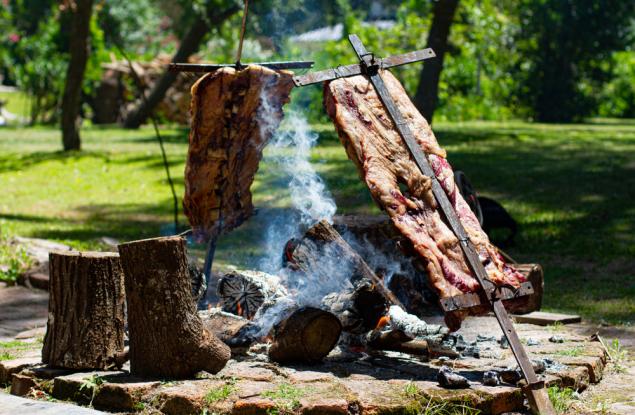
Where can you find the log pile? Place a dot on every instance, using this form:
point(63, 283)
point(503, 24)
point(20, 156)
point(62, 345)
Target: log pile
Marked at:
point(117, 92)
point(169, 339)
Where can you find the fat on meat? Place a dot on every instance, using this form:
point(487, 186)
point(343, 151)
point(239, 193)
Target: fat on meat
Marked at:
point(234, 114)
point(399, 187)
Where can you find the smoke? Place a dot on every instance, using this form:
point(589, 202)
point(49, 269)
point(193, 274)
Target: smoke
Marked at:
point(289, 156)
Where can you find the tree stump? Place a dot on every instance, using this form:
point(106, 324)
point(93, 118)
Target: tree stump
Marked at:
point(306, 336)
point(85, 328)
point(167, 337)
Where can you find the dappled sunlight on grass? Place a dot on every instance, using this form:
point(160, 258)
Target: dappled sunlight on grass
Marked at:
point(570, 187)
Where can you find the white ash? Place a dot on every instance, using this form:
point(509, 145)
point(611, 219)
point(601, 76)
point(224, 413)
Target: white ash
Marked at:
point(413, 326)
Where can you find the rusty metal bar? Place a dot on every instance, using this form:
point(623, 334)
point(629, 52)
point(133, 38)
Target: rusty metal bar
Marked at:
point(211, 67)
point(535, 391)
point(358, 69)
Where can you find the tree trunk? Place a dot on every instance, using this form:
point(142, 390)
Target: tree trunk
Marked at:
point(428, 90)
point(167, 337)
point(85, 328)
point(71, 100)
point(306, 336)
point(189, 45)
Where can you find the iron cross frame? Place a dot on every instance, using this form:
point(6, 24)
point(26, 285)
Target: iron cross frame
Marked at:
point(370, 66)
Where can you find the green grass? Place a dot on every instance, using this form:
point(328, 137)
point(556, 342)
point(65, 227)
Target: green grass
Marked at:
point(220, 394)
point(286, 398)
point(17, 103)
point(418, 403)
point(560, 398)
point(572, 352)
point(571, 188)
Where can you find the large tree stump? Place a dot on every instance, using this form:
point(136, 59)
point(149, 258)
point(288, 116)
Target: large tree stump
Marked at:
point(167, 337)
point(85, 328)
point(306, 336)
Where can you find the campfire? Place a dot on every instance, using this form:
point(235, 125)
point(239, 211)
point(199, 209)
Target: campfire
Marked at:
point(332, 286)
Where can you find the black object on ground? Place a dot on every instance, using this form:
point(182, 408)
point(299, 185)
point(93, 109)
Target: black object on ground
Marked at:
point(448, 379)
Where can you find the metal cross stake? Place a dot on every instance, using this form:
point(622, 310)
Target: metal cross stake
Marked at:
point(370, 66)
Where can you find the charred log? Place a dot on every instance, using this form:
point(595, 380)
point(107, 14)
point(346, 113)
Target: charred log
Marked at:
point(85, 329)
point(322, 243)
point(167, 337)
point(398, 341)
point(306, 336)
point(244, 292)
point(359, 309)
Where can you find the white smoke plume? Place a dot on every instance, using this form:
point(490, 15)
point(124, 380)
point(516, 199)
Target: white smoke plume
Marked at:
point(311, 201)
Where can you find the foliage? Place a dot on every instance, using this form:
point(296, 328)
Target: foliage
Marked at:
point(91, 385)
point(560, 398)
point(565, 47)
point(617, 98)
point(13, 261)
point(619, 356)
point(572, 352)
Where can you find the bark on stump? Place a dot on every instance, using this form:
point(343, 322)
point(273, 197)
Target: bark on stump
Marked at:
point(85, 328)
point(306, 336)
point(167, 337)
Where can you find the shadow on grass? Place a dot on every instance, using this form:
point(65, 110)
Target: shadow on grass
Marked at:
point(14, 162)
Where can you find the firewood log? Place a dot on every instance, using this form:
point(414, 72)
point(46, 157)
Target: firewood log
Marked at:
point(306, 336)
point(322, 243)
point(358, 309)
point(243, 292)
point(85, 328)
point(167, 337)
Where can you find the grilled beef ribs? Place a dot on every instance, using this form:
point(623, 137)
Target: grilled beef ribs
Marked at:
point(399, 187)
point(234, 114)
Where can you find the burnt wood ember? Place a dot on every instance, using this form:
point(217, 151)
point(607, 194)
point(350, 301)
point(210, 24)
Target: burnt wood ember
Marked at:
point(398, 186)
point(243, 292)
point(167, 337)
point(234, 114)
point(233, 330)
point(85, 328)
point(358, 309)
point(306, 336)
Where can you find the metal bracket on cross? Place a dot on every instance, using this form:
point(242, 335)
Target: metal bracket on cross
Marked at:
point(371, 66)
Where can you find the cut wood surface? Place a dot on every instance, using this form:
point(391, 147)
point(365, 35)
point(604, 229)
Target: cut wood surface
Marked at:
point(85, 328)
point(234, 114)
point(167, 337)
point(243, 292)
point(306, 336)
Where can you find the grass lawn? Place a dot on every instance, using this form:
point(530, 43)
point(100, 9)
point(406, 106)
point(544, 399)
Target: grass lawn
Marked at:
point(571, 187)
point(16, 102)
